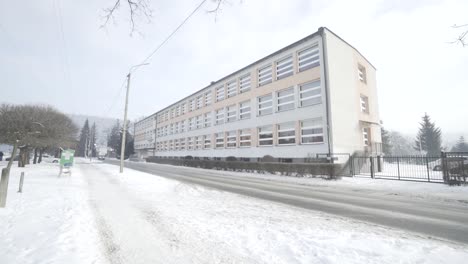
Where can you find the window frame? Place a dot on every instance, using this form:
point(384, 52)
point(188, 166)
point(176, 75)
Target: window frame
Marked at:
point(312, 127)
point(259, 109)
point(241, 107)
point(292, 102)
point(319, 88)
point(285, 64)
point(259, 133)
point(279, 130)
point(267, 76)
point(314, 58)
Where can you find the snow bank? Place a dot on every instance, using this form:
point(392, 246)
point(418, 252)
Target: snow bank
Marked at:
point(50, 222)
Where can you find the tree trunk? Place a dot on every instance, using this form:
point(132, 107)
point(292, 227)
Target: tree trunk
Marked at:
point(40, 155)
point(27, 155)
point(35, 156)
point(22, 157)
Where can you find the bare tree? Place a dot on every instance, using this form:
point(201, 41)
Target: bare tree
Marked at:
point(141, 9)
point(463, 35)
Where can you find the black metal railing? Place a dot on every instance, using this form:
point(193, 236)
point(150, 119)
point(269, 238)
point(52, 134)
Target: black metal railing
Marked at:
point(449, 167)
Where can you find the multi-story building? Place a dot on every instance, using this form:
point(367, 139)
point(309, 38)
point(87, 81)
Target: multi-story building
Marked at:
point(315, 96)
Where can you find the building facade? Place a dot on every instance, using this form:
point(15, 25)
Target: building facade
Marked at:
point(315, 96)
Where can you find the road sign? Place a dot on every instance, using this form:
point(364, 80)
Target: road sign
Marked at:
point(67, 158)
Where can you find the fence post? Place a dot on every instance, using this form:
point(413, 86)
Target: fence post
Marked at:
point(20, 189)
point(379, 163)
point(427, 167)
point(4, 186)
point(398, 165)
point(444, 167)
point(372, 167)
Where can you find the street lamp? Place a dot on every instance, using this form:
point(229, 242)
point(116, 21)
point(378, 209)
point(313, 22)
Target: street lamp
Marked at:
point(122, 149)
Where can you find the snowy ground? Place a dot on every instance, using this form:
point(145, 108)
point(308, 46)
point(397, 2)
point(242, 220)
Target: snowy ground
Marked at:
point(411, 189)
point(100, 216)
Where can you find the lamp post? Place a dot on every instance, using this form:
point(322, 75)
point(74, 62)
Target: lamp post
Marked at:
point(122, 149)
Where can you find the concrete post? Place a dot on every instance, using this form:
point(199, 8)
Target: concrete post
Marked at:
point(20, 189)
point(4, 186)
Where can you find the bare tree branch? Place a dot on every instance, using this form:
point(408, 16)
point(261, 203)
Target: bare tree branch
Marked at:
point(136, 8)
point(462, 37)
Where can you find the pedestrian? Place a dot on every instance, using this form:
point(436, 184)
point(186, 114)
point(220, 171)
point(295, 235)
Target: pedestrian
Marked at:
point(1, 156)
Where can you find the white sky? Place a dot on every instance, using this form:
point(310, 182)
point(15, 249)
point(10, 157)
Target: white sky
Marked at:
point(418, 71)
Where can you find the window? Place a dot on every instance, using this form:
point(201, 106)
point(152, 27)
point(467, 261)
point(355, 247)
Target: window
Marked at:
point(198, 142)
point(207, 141)
point(365, 136)
point(182, 109)
point(312, 131)
point(244, 110)
point(198, 121)
point(176, 144)
point(285, 99)
point(284, 68)
point(286, 133)
point(219, 115)
point(219, 140)
point(244, 83)
point(245, 138)
point(231, 113)
point(171, 145)
point(182, 126)
point(231, 88)
point(208, 98)
point(171, 129)
point(190, 143)
point(199, 101)
point(176, 127)
point(182, 143)
point(265, 136)
point(231, 139)
point(219, 93)
point(364, 104)
point(308, 58)
point(207, 119)
point(310, 94)
point(191, 125)
point(265, 105)
point(264, 75)
point(362, 73)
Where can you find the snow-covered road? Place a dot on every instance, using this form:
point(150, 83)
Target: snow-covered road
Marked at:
point(100, 216)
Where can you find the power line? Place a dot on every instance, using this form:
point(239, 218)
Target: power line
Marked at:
point(173, 32)
point(117, 96)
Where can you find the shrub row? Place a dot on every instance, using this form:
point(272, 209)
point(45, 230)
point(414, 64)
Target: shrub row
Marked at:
point(325, 170)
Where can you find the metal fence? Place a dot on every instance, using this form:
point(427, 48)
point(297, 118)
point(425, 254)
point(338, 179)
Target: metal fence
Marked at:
point(447, 168)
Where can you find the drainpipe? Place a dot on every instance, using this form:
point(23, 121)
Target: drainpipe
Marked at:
point(327, 88)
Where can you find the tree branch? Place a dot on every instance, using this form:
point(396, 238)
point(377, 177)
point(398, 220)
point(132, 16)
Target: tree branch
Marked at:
point(462, 37)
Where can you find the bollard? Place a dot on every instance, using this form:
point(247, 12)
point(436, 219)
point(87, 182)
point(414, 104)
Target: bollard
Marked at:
point(20, 190)
point(4, 186)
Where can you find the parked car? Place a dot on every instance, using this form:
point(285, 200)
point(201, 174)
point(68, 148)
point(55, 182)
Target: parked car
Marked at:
point(101, 158)
point(15, 159)
point(50, 159)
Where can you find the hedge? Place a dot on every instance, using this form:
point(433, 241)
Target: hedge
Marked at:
point(325, 170)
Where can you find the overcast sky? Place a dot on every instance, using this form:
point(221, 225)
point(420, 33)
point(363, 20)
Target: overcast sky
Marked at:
point(418, 71)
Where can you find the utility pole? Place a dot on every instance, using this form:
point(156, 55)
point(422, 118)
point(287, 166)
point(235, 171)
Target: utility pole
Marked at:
point(124, 133)
point(124, 130)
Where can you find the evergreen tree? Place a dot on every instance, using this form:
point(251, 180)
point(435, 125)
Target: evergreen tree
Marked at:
point(461, 145)
point(429, 137)
point(114, 137)
point(84, 140)
point(386, 143)
point(93, 140)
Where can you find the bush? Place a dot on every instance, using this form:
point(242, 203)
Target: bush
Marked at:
point(231, 158)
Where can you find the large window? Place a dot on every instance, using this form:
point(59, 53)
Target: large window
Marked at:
point(208, 98)
point(219, 93)
point(198, 142)
point(245, 138)
point(362, 73)
point(264, 75)
point(231, 88)
point(265, 136)
point(219, 138)
point(231, 113)
point(265, 105)
point(244, 83)
point(219, 115)
point(182, 143)
point(192, 105)
point(312, 131)
point(190, 143)
point(198, 121)
point(364, 104)
point(191, 125)
point(244, 110)
point(286, 133)
point(308, 58)
point(176, 144)
point(182, 109)
point(310, 93)
point(365, 136)
point(182, 126)
point(206, 141)
point(207, 119)
point(199, 101)
point(284, 68)
point(285, 99)
point(231, 139)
